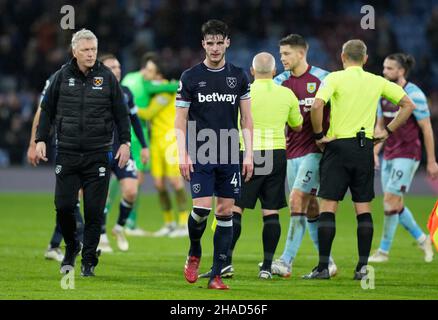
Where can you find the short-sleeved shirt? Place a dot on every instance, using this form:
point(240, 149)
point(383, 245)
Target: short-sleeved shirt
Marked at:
point(354, 94)
point(405, 142)
point(272, 106)
point(164, 121)
point(143, 91)
point(304, 87)
point(213, 98)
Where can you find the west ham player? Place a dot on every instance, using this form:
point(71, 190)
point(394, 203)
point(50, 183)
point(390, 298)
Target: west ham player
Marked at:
point(210, 97)
point(302, 153)
point(127, 176)
point(401, 157)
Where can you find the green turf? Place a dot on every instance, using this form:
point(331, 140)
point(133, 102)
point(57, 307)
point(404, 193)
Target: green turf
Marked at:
point(152, 269)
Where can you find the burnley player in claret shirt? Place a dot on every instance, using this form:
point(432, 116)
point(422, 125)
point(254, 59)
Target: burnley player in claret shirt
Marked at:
point(402, 153)
point(303, 156)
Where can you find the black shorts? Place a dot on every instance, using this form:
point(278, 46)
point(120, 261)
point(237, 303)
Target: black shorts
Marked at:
point(268, 185)
point(128, 171)
point(344, 165)
point(220, 180)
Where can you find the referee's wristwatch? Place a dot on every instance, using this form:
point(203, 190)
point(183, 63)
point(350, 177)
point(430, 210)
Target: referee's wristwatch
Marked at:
point(318, 136)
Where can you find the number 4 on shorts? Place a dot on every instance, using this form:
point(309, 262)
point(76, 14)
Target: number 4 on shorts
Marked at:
point(234, 180)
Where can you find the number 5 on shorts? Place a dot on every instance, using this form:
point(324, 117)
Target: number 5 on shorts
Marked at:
point(308, 177)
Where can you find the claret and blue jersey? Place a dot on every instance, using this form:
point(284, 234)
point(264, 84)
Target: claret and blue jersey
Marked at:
point(405, 142)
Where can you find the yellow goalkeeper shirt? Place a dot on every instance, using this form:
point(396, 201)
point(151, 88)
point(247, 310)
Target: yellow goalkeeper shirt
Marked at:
point(161, 114)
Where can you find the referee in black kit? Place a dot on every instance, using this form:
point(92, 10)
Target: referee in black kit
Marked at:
point(85, 101)
point(347, 161)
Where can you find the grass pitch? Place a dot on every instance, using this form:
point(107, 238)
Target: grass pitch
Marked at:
point(153, 267)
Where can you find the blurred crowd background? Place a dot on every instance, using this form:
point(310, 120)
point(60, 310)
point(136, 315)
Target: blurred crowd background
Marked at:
point(33, 45)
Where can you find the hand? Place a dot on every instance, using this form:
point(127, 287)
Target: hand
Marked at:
point(380, 136)
point(432, 170)
point(248, 166)
point(323, 141)
point(123, 155)
point(40, 152)
point(31, 155)
point(144, 155)
point(185, 167)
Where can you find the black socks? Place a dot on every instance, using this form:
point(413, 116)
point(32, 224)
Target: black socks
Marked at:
point(326, 234)
point(365, 231)
point(196, 224)
point(271, 235)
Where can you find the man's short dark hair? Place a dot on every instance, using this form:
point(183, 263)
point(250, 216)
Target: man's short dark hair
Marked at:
point(215, 27)
point(405, 61)
point(294, 40)
point(155, 59)
point(145, 58)
point(106, 56)
point(158, 63)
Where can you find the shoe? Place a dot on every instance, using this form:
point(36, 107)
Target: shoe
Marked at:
point(379, 256)
point(69, 260)
point(137, 232)
point(227, 272)
point(281, 268)
point(54, 254)
point(217, 283)
point(191, 268)
point(360, 275)
point(320, 275)
point(426, 246)
point(165, 230)
point(122, 242)
point(87, 269)
point(332, 268)
point(264, 274)
point(180, 231)
point(104, 245)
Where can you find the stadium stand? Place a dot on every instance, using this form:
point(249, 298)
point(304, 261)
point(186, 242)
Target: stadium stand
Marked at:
point(32, 44)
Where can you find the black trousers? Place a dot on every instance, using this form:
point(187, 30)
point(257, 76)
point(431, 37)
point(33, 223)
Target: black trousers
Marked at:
point(92, 173)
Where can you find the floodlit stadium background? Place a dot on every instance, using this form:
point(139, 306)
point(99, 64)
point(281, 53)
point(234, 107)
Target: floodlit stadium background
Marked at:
point(33, 45)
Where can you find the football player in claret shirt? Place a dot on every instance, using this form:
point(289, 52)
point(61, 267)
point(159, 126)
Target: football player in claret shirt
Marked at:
point(401, 157)
point(303, 156)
